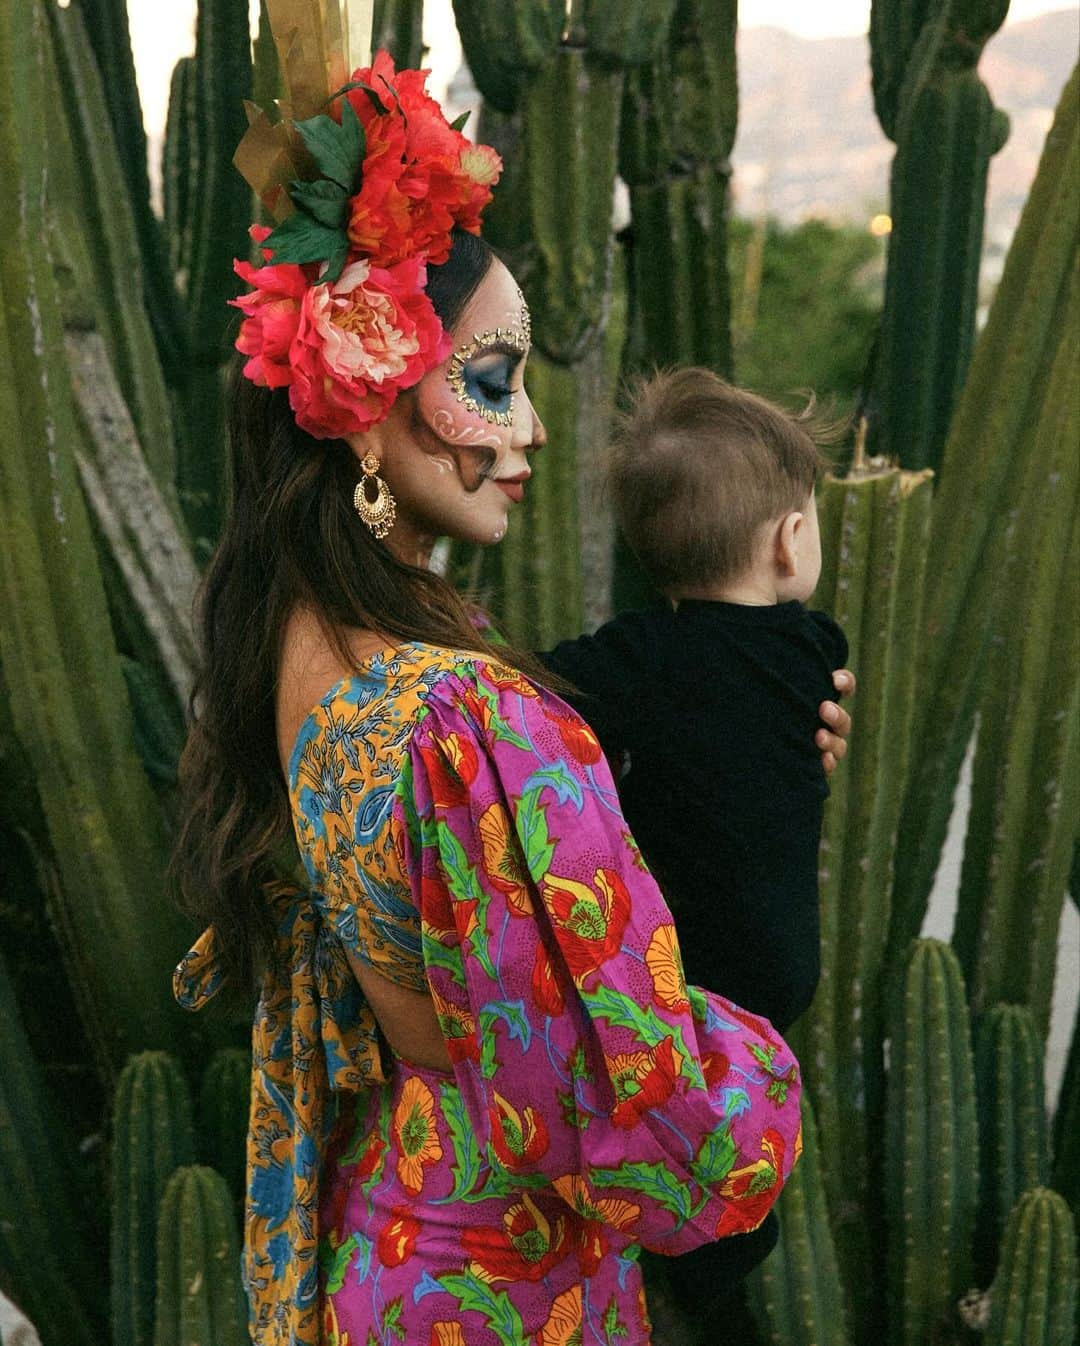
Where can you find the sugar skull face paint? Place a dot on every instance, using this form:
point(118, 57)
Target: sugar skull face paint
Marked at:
point(458, 458)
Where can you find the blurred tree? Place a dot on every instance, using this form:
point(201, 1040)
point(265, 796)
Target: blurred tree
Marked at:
point(805, 304)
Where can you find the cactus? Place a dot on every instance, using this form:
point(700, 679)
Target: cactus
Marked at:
point(46, 1251)
point(199, 1298)
point(399, 29)
point(98, 227)
point(874, 525)
point(1007, 403)
point(1013, 1146)
point(931, 1187)
point(68, 700)
point(177, 162)
point(152, 1137)
point(1026, 782)
point(1066, 1131)
point(1034, 1296)
point(946, 130)
point(506, 44)
point(796, 1295)
point(624, 34)
point(224, 1096)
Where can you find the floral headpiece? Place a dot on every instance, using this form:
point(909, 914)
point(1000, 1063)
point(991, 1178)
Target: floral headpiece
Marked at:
point(366, 193)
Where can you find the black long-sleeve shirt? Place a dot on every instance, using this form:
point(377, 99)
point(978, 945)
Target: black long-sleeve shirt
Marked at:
point(707, 715)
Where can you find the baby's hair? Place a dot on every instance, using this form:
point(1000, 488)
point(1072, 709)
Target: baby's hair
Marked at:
point(696, 468)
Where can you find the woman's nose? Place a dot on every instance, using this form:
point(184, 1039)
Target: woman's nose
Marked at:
point(530, 433)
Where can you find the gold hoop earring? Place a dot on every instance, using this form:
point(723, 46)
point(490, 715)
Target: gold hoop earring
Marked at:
point(379, 514)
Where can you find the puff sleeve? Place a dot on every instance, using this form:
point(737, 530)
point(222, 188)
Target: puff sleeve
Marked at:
point(584, 1061)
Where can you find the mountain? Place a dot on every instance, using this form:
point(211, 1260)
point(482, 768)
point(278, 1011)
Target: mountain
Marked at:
point(809, 143)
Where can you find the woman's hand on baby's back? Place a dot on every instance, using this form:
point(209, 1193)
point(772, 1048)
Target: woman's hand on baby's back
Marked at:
point(833, 740)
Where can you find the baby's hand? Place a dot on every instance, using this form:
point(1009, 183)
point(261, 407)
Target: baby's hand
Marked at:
point(833, 741)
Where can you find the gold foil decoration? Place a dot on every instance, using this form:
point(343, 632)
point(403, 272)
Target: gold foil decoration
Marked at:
point(319, 44)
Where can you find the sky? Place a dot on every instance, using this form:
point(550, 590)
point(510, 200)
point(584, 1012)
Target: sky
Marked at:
point(161, 33)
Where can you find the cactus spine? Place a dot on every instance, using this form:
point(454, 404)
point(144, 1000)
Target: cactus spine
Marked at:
point(1034, 1295)
point(946, 131)
point(795, 1294)
point(224, 1096)
point(931, 1188)
point(1013, 1146)
point(198, 1296)
point(987, 458)
point(152, 1137)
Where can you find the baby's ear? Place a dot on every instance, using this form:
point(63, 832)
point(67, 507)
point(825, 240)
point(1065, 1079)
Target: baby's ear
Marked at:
point(788, 537)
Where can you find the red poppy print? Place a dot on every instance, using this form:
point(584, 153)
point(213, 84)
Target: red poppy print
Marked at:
point(578, 740)
point(397, 1238)
point(751, 1191)
point(546, 992)
point(642, 1080)
point(519, 1139)
point(589, 921)
point(451, 766)
point(503, 861)
point(524, 1248)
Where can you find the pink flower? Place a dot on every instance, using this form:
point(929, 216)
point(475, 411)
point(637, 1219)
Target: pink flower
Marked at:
point(345, 351)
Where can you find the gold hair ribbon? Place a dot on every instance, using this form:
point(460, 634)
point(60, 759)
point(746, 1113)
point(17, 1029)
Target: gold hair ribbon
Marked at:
point(319, 44)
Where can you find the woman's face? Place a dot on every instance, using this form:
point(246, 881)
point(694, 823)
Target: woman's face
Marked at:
point(455, 453)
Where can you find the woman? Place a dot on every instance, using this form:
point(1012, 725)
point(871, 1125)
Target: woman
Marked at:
point(481, 1083)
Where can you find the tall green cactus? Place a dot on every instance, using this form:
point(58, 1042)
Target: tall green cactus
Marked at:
point(47, 1256)
point(946, 130)
point(224, 1098)
point(1013, 1145)
point(68, 700)
point(506, 44)
point(874, 525)
point(1066, 1171)
point(1007, 407)
point(1025, 796)
point(177, 162)
point(796, 1295)
point(931, 1181)
point(152, 1137)
point(1034, 1296)
point(199, 1298)
point(399, 29)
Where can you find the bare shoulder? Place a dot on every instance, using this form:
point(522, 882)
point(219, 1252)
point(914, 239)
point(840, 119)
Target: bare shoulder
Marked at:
point(310, 664)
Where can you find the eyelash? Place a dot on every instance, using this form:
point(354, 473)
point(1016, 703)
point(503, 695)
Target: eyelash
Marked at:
point(496, 391)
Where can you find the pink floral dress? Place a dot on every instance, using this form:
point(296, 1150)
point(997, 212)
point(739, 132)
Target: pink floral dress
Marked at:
point(462, 834)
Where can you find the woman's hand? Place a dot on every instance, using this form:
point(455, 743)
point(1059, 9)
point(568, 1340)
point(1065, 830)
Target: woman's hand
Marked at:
point(833, 741)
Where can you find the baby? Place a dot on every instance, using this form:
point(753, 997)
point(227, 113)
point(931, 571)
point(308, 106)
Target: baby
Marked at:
point(710, 699)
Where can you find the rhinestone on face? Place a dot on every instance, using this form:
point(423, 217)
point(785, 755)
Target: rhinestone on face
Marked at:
point(455, 373)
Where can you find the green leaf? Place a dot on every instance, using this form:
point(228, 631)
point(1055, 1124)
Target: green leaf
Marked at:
point(466, 1165)
point(486, 1027)
point(323, 200)
point(301, 239)
point(623, 1012)
point(532, 830)
point(337, 148)
point(436, 954)
point(461, 122)
point(699, 1005)
point(614, 1327)
point(334, 1262)
point(715, 1158)
point(653, 1180)
point(475, 1296)
point(376, 102)
point(461, 876)
point(392, 1318)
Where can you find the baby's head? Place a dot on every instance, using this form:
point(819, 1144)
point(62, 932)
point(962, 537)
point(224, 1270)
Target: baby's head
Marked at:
point(713, 488)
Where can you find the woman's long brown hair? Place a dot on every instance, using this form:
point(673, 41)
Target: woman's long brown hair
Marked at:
point(291, 538)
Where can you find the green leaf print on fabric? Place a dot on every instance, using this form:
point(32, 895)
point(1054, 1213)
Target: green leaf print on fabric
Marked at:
point(475, 1296)
point(465, 886)
point(532, 830)
point(623, 1012)
point(392, 1319)
point(436, 954)
point(334, 1262)
point(716, 1158)
point(655, 1180)
point(466, 1164)
point(614, 1327)
point(499, 727)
